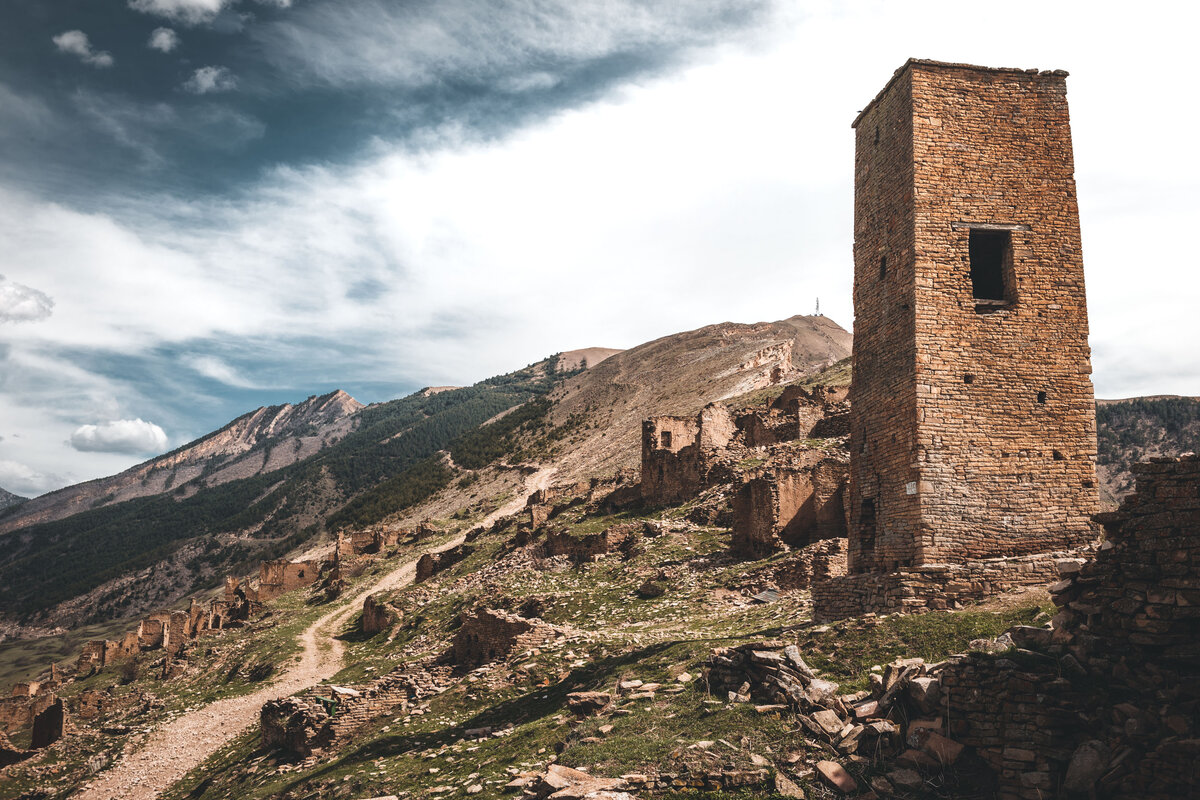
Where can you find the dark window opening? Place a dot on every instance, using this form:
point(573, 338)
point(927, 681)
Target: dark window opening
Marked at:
point(1041, 397)
point(968, 378)
point(665, 438)
point(876, 134)
point(1058, 456)
point(990, 254)
point(882, 267)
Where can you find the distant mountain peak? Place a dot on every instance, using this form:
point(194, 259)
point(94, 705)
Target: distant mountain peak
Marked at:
point(8, 499)
point(247, 446)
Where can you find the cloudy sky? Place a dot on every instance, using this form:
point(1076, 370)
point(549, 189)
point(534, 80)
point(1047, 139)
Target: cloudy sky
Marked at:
point(208, 205)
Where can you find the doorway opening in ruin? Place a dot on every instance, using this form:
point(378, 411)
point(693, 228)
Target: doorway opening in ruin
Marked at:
point(866, 527)
point(990, 254)
point(665, 440)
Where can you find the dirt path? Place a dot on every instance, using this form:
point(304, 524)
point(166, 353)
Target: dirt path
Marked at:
point(173, 750)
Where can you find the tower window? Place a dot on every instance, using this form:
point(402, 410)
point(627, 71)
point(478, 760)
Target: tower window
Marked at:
point(882, 267)
point(991, 254)
point(1041, 397)
point(968, 378)
point(665, 440)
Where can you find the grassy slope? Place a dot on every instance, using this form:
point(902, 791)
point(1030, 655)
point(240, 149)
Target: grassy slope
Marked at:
point(223, 664)
point(615, 635)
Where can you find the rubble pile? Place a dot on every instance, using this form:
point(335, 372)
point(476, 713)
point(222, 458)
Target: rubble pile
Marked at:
point(313, 722)
point(899, 720)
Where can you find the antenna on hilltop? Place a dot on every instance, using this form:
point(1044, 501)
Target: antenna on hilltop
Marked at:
point(818, 311)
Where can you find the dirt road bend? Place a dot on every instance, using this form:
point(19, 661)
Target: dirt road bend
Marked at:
point(179, 746)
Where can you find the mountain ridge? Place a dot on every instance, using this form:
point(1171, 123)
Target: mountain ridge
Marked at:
point(256, 442)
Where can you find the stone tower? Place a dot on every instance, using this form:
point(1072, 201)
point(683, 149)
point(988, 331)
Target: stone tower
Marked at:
point(972, 425)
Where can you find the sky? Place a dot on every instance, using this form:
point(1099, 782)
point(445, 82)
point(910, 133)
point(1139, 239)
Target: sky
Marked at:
point(211, 205)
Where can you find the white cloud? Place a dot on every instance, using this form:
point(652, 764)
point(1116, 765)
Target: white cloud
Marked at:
point(218, 370)
point(76, 43)
point(20, 303)
point(22, 479)
point(163, 39)
point(206, 80)
point(130, 436)
point(421, 44)
point(187, 12)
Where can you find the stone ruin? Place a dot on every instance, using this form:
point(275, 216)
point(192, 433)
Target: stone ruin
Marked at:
point(371, 541)
point(788, 506)
point(378, 615)
point(1102, 702)
point(315, 721)
point(972, 425)
point(784, 462)
point(612, 492)
point(429, 564)
point(32, 704)
point(489, 634)
point(682, 455)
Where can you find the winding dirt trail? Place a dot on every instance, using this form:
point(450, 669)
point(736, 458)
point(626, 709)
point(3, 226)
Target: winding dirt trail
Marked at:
point(178, 747)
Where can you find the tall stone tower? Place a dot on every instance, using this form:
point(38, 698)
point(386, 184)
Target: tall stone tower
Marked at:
point(972, 425)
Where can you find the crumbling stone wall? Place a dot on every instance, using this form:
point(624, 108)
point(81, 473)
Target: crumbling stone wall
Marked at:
point(621, 537)
point(277, 578)
point(1110, 703)
point(430, 564)
point(377, 615)
point(790, 506)
point(972, 424)
point(49, 725)
point(488, 634)
point(679, 453)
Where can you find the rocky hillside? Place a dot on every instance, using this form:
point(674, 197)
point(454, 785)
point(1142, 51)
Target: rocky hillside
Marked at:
point(680, 374)
point(264, 440)
point(8, 499)
point(397, 460)
point(1139, 428)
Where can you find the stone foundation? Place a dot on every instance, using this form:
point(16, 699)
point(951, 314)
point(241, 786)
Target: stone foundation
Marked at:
point(933, 587)
point(581, 549)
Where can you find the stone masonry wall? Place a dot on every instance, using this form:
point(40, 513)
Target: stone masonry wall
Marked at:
point(972, 424)
point(678, 453)
point(933, 587)
point(670, 458)
point(489, 635)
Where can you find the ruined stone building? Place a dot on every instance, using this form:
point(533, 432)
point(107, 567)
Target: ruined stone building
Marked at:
point(678, 453)
point(972, 419)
